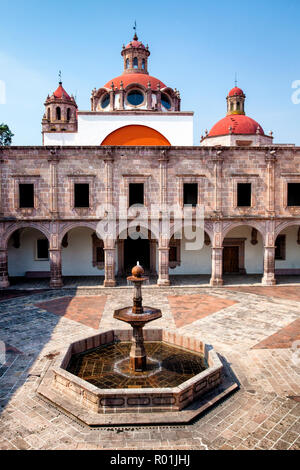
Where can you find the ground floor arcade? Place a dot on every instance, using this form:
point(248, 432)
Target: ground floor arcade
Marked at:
point(57, 250)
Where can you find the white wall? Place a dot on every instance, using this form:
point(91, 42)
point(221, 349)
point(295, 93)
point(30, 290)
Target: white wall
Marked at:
point(193, 261)
point(23, 259)
point(94, 127)
point(292, 260)
point(77, 258)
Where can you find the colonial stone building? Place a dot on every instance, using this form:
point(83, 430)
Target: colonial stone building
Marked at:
point(135, 146)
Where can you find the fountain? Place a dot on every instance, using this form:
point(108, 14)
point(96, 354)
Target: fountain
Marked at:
point(137, 375)
point(137, 316)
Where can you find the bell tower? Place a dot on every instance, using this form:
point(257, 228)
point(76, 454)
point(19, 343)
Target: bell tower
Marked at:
point(60, 112)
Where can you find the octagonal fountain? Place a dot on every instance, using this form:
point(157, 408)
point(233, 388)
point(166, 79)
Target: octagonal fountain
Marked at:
point(136, 376)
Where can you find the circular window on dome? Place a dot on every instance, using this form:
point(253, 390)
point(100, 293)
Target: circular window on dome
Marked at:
point(165, 101)
point(135, 97)
point(105, 101)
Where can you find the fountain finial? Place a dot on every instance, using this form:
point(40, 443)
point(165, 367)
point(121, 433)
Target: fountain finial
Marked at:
point(137, 271)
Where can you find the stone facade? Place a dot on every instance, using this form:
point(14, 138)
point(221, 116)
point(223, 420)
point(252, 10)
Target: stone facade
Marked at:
point(110, 170)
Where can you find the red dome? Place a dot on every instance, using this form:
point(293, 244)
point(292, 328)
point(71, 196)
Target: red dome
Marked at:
point(135, 43)
point(235, 91)
point(60, 92)
point(240, 124)
point(142, 78)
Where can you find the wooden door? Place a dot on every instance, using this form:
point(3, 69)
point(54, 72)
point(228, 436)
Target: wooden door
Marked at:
point(231, 259)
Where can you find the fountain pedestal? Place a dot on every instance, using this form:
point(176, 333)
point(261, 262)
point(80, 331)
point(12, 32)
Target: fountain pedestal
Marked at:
point(137, 316)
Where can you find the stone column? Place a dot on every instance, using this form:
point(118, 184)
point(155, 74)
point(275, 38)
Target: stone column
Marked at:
point(216, 266)
point(53, 183)
point(109, 263)
point(112, 97)
point(269, 266)
point(108, 161)
point(163, 177)
point(55, 268)
point(270, 160)
point(149, 96)
point(163, 263)
point(4, 282)
point(217, 256)
point(158, 97)
point(217, 160)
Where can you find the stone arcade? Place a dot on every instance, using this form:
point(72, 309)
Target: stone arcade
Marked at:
point(135, 143)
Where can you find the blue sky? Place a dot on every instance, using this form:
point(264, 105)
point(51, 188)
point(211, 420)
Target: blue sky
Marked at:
point(196, 46)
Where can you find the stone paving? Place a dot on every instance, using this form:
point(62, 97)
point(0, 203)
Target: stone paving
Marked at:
point(263, 414)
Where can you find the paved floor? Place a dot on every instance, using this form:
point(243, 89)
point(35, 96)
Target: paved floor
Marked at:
point(255, 332)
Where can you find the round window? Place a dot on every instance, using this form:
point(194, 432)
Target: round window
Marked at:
point(165, 101)
point(105, 101)
point(135, 97)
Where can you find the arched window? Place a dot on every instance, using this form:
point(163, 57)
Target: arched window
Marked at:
point(127, 63)
point(238, 105)
point(58, 114)
point(231, 106)
point(48, 114)
point(135, 63)
point(143, 64)
point(68, 114)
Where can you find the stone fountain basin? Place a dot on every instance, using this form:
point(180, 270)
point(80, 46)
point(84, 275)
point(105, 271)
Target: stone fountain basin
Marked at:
point(98, 407)
point(126, 315)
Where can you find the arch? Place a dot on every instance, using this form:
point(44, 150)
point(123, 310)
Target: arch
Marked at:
point(135, 135)
point(17, 226)
point(135, 63)
point(127, 63)
point(143, 64)
point(251, 223)
point(144, 226)
point(48, 114)
point(71, 225)
point(68, 114)
point(174, 229)
point(58, 113)
point(283, 225)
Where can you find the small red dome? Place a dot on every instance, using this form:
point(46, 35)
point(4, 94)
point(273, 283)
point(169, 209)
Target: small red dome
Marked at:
point(135, 43)
point(239, 123)
point(60, 92)
point(142, 78)
point(235, 91)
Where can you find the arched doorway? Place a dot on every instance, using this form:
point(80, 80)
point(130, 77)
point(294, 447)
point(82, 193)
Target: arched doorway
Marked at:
point(243, 254)
point(138, 245)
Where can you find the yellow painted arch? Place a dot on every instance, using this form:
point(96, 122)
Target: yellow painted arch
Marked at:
point(135, 135)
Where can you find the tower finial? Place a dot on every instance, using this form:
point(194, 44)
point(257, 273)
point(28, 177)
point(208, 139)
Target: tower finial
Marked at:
point(135, 38)
point(59, 77)
point(235, 79)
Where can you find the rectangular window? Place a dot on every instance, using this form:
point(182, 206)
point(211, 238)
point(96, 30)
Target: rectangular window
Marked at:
point(81, 195)
point(136, 193)
point(244, 194)
point(280, 247)
point(42, 249)
point(293, 194)
point(26, 195)
point(190, 194)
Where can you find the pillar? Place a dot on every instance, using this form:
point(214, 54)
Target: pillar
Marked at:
point(55, 268)
point(217, 266)
point(163, 263)
point(53, 183)
point(4, 282)
point(269, 266)
point(109, 266)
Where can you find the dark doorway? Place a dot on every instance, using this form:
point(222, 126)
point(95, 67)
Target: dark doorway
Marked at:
point(231, 259)
point(136, 250)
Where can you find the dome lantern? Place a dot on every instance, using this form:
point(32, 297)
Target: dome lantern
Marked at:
point(235, 101)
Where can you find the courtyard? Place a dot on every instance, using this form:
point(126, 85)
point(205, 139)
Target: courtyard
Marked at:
point(253, 328)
